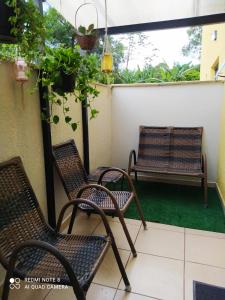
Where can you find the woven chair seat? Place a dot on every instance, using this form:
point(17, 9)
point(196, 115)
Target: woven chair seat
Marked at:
point(103, 200)
point(82, 252)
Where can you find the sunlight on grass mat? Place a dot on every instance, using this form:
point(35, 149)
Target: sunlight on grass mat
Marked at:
point(179, 205)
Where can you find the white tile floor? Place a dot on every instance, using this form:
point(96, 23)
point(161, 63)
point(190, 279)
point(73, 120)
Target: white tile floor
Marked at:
point(169, 259)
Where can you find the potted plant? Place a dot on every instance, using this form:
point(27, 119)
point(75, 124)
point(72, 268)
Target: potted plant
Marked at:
point(60, 66)
point(25, 26)
point(6, 12)
point(87, 37)
point(66, 70)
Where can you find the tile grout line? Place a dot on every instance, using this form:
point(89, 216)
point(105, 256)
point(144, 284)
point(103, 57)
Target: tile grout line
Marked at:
point(144, 295)
point(201, 264)
point(206, 235)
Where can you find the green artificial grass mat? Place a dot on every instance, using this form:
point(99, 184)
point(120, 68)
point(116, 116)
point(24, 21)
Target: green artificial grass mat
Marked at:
point(178, 205)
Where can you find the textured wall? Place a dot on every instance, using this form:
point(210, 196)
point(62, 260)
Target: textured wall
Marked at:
point(100, 130)
point(182, 104)
point(21, 133)
point(221, 162)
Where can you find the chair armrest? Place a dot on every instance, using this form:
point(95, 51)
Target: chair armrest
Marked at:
point(51, 249)
point(90, 203)
point(132, 155)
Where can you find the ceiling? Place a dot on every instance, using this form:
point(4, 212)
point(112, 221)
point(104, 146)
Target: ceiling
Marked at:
point(129, 12)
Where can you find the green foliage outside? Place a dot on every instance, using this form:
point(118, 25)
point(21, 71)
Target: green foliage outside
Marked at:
point(158, 74)
point(193, 48)
point(60, 33)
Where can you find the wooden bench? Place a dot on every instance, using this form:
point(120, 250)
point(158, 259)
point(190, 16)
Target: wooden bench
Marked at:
point(172, 151)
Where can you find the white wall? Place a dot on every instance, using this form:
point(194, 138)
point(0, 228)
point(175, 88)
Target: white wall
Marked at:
point(183, 104)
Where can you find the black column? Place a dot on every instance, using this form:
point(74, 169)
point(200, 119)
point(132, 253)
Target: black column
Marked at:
point(47, 145)
point(85, 138)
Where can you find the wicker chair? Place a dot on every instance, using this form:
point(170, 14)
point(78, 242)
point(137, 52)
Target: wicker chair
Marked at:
point(75, 182)
point(29, 248)
point(171, 151)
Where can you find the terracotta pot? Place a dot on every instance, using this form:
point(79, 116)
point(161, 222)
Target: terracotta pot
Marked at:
point(87, 42)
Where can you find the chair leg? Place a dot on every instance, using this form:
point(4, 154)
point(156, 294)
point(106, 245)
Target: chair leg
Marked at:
point(121, 218)
point(121, 267)
point(5, 292)
point(72, 219)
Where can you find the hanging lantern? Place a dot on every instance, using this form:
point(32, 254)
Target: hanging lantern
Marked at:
point(107, 58)
point(21, 70)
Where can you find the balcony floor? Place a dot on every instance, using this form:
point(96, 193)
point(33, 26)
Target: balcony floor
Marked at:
point(169, 259)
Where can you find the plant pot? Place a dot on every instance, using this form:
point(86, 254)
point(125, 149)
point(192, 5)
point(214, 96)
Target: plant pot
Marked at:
point(64, 84)
point(87, 42)
point(5, 26)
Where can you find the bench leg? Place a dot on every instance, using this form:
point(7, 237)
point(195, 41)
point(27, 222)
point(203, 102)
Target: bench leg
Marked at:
point(136, 177)
point(205, 187)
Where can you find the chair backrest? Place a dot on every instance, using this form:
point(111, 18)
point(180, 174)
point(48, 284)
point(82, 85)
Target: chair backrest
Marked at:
point(20, 216)
point(177, 148)
point(186, 148)
point(70, 167)
point(154, 143)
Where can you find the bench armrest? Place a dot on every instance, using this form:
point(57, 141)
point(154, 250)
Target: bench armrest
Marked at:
point(132, 155)
point(204, 164)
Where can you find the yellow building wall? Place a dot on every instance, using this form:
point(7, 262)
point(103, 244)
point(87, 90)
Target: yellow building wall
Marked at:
point(221, 162)
point(213, 52)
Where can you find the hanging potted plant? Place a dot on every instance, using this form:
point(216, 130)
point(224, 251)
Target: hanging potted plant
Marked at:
point(61, 64)
point(26, 26)
point(6, 12)
point(86, 36)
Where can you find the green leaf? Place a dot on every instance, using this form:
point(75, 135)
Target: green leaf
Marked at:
point(67, 119)
point(55, 119)
point(74, 126)
point(82, 30)
point(94, 113)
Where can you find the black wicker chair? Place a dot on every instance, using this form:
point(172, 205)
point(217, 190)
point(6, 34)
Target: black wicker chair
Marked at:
point(30, 248)
point(76, 184)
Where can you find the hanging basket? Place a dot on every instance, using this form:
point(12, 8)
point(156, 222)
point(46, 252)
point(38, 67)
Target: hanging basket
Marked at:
point(5, 26)
point(64, 84)
point(86, 42)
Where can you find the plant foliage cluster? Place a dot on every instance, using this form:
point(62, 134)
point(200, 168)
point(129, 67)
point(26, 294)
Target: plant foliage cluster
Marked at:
point(46, 42)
